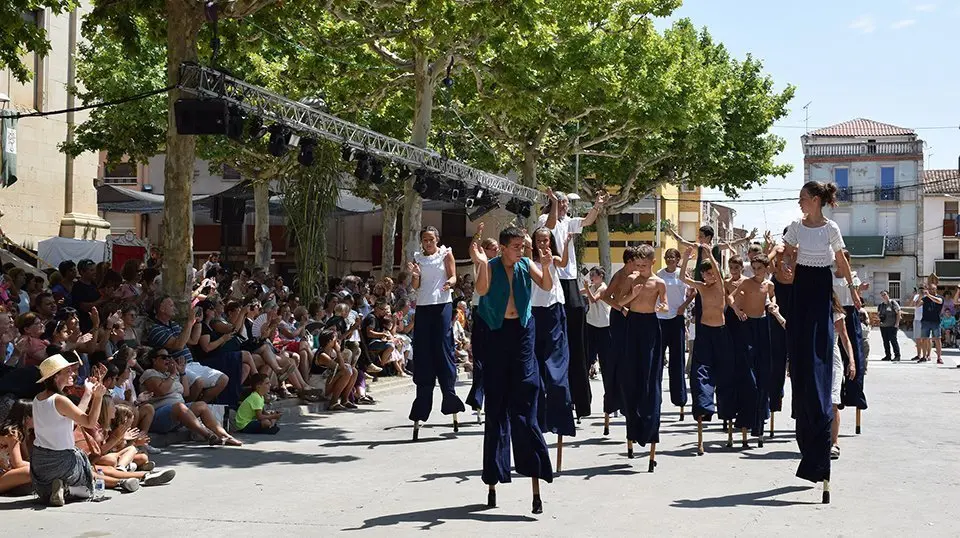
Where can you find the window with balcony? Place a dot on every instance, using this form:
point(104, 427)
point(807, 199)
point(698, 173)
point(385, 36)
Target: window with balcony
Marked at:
point(841, 176)
point(888, 189)
point(951, 250)
point(120, 173)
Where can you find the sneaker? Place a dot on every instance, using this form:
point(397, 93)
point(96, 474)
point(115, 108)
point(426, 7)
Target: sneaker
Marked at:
point(835, 452)
point(58, 495)
point(149, 449)
point(159, 478)
point(374, 369)
point(149, 466)
point(886, 359)
point(129, 485)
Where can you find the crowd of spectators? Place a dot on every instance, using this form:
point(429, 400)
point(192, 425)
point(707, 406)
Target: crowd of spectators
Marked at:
point(133, 363)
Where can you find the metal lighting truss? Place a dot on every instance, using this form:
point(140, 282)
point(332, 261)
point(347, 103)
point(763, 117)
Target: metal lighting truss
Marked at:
point(205, 82)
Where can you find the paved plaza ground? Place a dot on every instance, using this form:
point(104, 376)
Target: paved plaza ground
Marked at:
point(357, 472)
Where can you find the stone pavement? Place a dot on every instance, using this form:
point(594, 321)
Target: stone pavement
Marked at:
point(358, 472)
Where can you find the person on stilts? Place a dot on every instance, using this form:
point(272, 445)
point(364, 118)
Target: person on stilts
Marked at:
point(851, 389)
point(814, 242)
point(475, 397)
point(599, 340)
point(783, 289)
point(434, 275)
point(725, 374)
point(511, 378)
point(673, 327)
point(562, 226)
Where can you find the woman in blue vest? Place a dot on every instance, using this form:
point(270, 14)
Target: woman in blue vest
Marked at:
point(511, 378)
point(434, 275)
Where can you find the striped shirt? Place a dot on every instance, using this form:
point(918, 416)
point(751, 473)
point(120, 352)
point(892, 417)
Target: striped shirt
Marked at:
point(162, 333)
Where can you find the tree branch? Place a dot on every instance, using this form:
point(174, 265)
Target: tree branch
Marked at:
point(624, 197)
point(390, 57)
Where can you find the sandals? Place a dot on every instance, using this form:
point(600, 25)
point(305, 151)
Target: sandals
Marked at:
point(349, 405)
point(835, 452)
point(308, 397)
point(336, 406)
point(366, 400)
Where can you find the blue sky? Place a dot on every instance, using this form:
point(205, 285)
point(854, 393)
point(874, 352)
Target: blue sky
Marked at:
point(893, 61)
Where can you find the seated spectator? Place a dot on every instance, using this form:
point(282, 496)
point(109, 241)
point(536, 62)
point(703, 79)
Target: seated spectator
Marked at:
point(290, 339)
point(251, 418)
point(131, 325)
point(17, 280)
point(58, 468)
point(31, 346)
point(45, 306)
point(265, 327)
point(124, 392)
point(397, 359)
point(202, 382)
point(165, 381)
point(378, 340)
point(338, 377)
point(212, 350)
point(14, 466)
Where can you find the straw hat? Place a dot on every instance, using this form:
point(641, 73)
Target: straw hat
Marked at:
point(51, 365)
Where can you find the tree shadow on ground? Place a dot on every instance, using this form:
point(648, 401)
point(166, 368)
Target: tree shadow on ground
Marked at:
point(618, 469)
point(755, 498)
point(295, 432)
point(438, 516)
point(772, 455)
point(570, 442)
point(241, 458)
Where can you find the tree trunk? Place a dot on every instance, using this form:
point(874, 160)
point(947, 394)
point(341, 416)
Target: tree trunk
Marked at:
point(528, 177)
point(183, 25)
point(603, 242)
point(263, 249)
point(389, 230)
point(422, 113)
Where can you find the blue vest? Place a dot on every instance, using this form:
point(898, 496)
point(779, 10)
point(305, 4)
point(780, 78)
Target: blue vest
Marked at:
point(493, 305)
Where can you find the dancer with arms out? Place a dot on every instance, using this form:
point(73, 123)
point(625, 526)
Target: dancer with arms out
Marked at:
point(511, 378)
point(814, 242)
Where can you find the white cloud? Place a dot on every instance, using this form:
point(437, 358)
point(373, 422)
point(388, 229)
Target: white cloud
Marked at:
point(903, 24)
point(865, 24)
point(926, 8)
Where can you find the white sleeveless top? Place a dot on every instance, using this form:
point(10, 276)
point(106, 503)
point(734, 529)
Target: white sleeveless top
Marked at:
point(542, 298)
point(433, 276)
point(599, 313)
point(842, 291)
point(676, 292)
point(54, 431)
point(815, 246)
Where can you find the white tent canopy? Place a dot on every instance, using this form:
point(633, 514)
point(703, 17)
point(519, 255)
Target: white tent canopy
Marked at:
point(58, 249)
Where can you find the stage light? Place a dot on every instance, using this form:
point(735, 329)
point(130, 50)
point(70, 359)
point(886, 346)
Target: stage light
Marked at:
point(346, 153)
point(457, 189)
point(483, 208)
point(279, 134)
point(257, 130)
point(306, 151)
point(523, 209)
point(430, 185)
point(364, 169)
point(475, 197)
point(376, 171)
point(235, 123)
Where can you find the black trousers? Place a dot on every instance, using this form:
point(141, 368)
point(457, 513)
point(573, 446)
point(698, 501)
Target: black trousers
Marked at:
point(579, 373)
point(889, 335)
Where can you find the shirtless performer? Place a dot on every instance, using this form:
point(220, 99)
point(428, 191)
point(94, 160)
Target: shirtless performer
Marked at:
point(512, 376)
point(641, 369)
point(711, 349)
point(753, 372)
point(728, 401)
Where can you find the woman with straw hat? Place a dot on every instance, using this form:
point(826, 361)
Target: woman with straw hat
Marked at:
point(58, 468)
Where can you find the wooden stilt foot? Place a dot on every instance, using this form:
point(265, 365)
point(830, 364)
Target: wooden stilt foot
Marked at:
point(456, 424)
point(653, 455)
point(858, 421)
point(491, 497)
point(744, 438)
point(606, 423)
point(826, 492)
point(416, 430)
point(630, 449)
point(559, 453)
point(772, 414)
point(700, 436)
point(729, 434)
point(681, 413)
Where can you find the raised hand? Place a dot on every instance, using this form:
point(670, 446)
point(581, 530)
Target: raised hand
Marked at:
point(478, 256)
point(546, 257)
point(99, 390)
point(601, 199)
point(132, 434)
point(478, 237)
point(773, 308)
point(688, 253)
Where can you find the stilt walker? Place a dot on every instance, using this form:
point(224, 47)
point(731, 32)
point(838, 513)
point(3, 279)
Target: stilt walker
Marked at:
point(673, 328)
point(550, 342)
point(512, 378)
point(475, 397)
point(814, 240)
point(783, 289)
point(712, 344)
point(731, 375)
point(852, 390)
point(434, 275)
point(562, 226)
point(600, 341)
point(640, 372)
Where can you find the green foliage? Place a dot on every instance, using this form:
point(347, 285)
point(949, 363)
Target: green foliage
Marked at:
point(629, 227)
point(21, 34)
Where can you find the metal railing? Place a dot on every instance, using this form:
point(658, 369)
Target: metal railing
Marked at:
point(857, 149)
point(894, 243)
point(844, 194)
point(120, 180)
point(886, 194)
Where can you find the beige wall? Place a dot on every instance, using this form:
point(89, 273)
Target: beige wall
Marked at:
point(33, 208)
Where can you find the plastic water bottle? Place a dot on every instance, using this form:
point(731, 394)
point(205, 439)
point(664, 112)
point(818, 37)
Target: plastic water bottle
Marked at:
point(98, 485)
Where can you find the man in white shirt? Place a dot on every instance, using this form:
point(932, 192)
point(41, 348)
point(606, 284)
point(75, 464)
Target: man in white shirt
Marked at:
point(561, 227)
point(673, 333)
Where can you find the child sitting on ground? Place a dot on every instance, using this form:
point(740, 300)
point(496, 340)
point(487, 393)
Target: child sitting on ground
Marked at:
point(14, 469)
point(948, 324)
point(251, 417)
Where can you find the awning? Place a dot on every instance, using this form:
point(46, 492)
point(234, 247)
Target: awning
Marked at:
point(122, 200)
point(866, 246)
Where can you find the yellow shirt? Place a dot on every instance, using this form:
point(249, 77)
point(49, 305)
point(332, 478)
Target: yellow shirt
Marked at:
point(247, 412)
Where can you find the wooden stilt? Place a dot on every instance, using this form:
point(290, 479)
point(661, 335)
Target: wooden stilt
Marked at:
point(492, 497)
point(653, 455)
point(858, 421)
point(729, 434)
point(744, 437)
point(630, 449)
point(760, 440)
point(479, 415)
point(456, 424)
point(700, 436)
point(537, 503)
point(826, 492)
point(772, 414)
point(681, 413)
point(606, 423)
point(559, 453)
point(416, 429)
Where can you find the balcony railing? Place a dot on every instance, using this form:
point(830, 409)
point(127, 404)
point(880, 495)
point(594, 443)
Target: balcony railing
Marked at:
point(844, 194)
point(886, 194)
point(894, 243)
point(120, 180)
point(863, 149)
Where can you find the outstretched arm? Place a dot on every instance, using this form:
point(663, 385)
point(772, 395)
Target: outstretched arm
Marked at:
point(683, 270)
point(595, 210)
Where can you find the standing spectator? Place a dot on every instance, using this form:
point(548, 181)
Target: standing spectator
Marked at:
point(213, 262)
point(85, 293)
point(930, 322)
point(889, 313)
point(18, 280)
point(63, 291)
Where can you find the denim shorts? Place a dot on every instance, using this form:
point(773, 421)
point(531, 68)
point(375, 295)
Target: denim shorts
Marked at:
point(379, 345)
point(163, 421)
point(929, 329)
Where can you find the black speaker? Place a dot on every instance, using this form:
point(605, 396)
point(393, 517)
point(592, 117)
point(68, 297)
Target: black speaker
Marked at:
point(202, 116)
point(232, 212)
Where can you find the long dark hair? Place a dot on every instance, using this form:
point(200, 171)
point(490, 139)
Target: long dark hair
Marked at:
point(827, 192)
point(553, 243)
